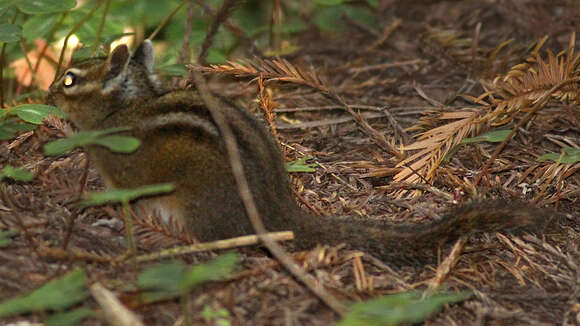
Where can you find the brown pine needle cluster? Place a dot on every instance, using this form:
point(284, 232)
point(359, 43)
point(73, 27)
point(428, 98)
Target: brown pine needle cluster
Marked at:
point(270, 70)
point(434, 144)
point(528, 82)
point(525, 87)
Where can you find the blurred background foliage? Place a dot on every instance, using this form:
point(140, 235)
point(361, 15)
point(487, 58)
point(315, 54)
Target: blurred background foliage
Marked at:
point(272, 25)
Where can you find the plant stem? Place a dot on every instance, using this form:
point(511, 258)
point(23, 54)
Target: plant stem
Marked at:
point(2, 66)
point(72, 31)
point(129, 228)
point(166, 20)
point(101, 25)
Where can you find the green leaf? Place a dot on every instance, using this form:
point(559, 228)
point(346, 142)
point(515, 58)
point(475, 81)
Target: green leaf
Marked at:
point(82, 53)
point(569, 155)
point(300, 165)
point(213, 271)
point(35, 7)
point(10, 33)
point(4, 4)
point(399, 308)
point(496, 136)
point(326, 19)
point(35, 113)
point(126, 195)
point(86, 51)
point(373, 3)
point(16, 174)
point(328, 2)
point(172, 279)
point(38, 26)
point(120, 144)
point(57, 294)
point(219, 317)
point(361, 15)
point(215, 56)
point(177, 69)
point(10, 127)
point(291, 27)
point(69, 318)
point(5, 237)
point(116, 143)
point(88, 29)
point(162, 281)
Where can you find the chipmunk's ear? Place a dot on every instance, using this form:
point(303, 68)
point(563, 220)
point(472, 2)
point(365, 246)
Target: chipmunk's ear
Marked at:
point(144, 55)
point(115, 69)
point(117, 62)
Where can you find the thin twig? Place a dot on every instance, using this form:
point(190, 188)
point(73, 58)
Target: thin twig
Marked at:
point(2, 66)
point(388, 65)
point(71, 32)
point(34, 80)
point(235, 30)
point(222, 15)
point(397, 129)
point(166, 20)
point(387, 32)
point(33, 245)
point(377, 137)
point(49, 40)
point(242, 241)
point(101, 25)
point(73, 217)
point(184, 56)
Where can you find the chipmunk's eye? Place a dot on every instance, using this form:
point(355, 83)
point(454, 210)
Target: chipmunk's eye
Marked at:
point(69, 79)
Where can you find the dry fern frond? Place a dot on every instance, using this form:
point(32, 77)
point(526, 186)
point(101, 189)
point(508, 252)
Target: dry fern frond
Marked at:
point(525, 88)
point(270, 70)
point(549, 177)
point(268, 105)
point(526, 83)
point(434, 144)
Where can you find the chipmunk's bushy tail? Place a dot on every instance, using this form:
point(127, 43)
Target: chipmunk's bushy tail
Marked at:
point(412, 241)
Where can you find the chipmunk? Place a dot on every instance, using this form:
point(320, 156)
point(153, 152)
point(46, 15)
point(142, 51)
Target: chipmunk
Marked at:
point(182, 144)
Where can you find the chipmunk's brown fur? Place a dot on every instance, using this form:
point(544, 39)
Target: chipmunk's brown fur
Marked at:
point(181, 144)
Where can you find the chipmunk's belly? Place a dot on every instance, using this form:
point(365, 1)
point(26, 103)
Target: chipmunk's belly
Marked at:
point(167, 208)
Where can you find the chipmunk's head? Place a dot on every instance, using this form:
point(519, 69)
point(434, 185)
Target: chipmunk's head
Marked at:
point(90, 90)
